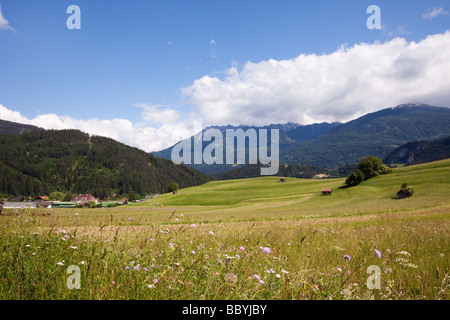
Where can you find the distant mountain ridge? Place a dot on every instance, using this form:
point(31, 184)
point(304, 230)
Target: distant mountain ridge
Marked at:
point(335, 145)
point(376, 133)
point(421, 151)
point(16, 128)
point(290, 134)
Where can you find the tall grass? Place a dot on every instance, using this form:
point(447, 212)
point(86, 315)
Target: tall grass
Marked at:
point(249, 239)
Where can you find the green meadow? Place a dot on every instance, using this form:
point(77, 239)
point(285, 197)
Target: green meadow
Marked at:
point(241, 239)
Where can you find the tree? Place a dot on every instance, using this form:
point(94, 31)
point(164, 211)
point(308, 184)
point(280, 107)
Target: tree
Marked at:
point(173, 187)
point(372, 166)
point(57, 196)
point(355, 178)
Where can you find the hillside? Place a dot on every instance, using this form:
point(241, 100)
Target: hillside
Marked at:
point(285, 170)
point(375, 134)
point(43, 161)
point(264, 198)
point(421, 151)
point(16, 128)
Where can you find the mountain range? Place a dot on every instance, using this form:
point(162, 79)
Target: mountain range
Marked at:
point(334, 145)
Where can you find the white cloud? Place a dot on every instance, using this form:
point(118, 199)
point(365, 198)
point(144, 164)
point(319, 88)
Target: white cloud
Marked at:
point(159, 114)
point(146, 138)
point(4, 24)
point(339, 86)
point(433, 13)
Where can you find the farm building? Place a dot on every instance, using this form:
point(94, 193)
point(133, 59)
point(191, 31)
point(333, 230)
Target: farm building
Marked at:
point(64, 204)
point(19, 205)
point(40, 198)
point(327, 191)
point(43, 204)
point(84, 198)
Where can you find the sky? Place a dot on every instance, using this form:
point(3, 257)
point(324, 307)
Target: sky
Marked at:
point(148, 73)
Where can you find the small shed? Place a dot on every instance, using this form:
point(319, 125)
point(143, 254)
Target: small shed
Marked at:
point(402, 194)
point(327, 191)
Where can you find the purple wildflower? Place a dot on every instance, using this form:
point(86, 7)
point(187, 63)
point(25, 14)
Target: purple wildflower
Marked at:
point(256, 277)
point(378, 253)
point(347, 257)
point(266, 250)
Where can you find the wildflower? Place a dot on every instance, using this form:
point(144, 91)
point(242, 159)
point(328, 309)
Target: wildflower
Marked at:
point(114, 283)
point(347, 257)
point(193, 225)
point(171, 245)
point(181, 215)
point(261, 282)
point(136, 267)
point(127, 268)
point(27, 246)
point(378, 253)
point(145, 269)
point(266, 250)
point(60, 263)
point(242, 248)
point(73, 247)
point(256, 277)
point(284, 271)
point(155, 281)
point(211, 233)
point(132, 262)
point(82, 262)
point(193, 252)
point(278, 275)
point(176, 219)
point(128, 219)
point(151, 286)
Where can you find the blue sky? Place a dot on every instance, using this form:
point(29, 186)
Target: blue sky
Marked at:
point(139, 70)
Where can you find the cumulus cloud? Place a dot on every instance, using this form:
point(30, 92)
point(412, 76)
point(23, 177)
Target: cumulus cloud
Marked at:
point(331, 87)
point(149, 138)
point(4, 24)
point(433, 13)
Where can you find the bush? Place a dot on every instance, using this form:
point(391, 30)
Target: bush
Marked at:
point(355, 178)
point(408, 190)
point(173, 187)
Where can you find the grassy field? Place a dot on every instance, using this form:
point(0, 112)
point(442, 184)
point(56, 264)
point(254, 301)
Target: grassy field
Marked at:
point(243, 239)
